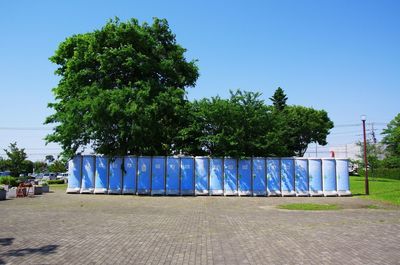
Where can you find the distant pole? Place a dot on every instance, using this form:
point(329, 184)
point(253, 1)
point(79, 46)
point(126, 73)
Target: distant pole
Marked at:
point(316, 150)
point(363, 118)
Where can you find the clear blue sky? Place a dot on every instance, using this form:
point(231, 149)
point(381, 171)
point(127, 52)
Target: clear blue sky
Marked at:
point(341, 56)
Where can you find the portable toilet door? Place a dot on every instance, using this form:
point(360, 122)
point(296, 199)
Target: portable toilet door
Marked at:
point(244, 177)
point(172, 177)
point(74, 174)
point(301, 176)
point(201, 175)
point(259, 176)
point(129, 176)
point(273, 176)
point(115, 181)
point(230, 176)
point(88, 167)
point(342, 176)
point(329, 176)
point(144, 174)
point(216, 176)
point(158, 176)
point(315, 177)
point(287, 176)
point(187, 176)
point(101, 175)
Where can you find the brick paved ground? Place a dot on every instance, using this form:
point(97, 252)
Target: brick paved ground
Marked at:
point(57, 228)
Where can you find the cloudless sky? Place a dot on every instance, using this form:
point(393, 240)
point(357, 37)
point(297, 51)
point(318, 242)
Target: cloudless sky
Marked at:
point(340, 56)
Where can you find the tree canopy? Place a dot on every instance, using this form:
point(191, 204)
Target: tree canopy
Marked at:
point(392, 136)
point(122, 89)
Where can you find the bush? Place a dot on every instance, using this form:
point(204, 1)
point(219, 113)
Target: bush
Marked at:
point(8, 180)
point(387, 173)
point(45, 183)
point(56, 181)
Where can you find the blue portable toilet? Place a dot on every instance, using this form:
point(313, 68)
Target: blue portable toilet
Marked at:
point(315, 177)
point(301, 176)
point(244, 177)
point(172, 177)
point(329, 177)
point(115, 180)
point(342, 176)
point(259, 176)
point(129, 179)
point(88, 165)
point(273, 176)
point(230, 176)
point(287, 176)
point(101, 175)
point(144, 174)
point(158, 176)
point(216, 176)
point(74, 174)
point(201, 169)
point(187, 175)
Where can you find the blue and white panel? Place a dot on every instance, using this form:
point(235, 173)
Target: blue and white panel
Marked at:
point(172, 178)
point(115, 181)
point(259, 177)
point(144, 170)
point(273, 176)
point(74, 174)
point(315, 176)
point(187, 176)
point(287, 176)
point(129, 176)
point(158, 176)
point(216, 176)
point(88, 165)
point(301, 177)
point(101, 175)
point(230, 176)
point(342, 175)
point(329, 176)
point(244, 177)
point(201, 175)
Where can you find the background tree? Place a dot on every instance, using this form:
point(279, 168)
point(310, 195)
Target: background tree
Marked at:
point(58, 166)
point(49, 159)
point(16, 160)
point(279, 99)
point(39, 166)
point(122, 90)
point(392, 137)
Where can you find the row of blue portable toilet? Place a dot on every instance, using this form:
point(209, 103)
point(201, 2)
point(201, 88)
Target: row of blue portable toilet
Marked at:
point(209, 176)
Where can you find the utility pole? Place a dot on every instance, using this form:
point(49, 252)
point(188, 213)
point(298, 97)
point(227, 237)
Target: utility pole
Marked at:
point(316, 150)
point(363, 118)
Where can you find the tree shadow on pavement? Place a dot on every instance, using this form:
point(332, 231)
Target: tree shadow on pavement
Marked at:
point(44, 250)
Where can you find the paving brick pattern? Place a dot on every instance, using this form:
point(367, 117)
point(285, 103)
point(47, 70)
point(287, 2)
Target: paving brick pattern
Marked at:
point(57, 228)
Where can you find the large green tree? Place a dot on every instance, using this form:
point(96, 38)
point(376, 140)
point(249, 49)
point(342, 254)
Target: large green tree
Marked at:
point(122, 90)
point(392, 137)
point(279, 99)
point(16, 161)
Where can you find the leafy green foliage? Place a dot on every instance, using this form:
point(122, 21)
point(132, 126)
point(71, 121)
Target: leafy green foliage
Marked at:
point(57, 166)
point(39, 166)
point(8, 180)
point(55, 181)
point(392, 137)
point(16, 162)
point(279, 99)
point(122, 89)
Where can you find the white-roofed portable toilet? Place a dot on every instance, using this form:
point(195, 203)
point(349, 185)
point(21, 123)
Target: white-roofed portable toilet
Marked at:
point(216, 176)
point(329, 176)
point(129, 178)
point(287, 176)
point(342, 177)
point(259, 176)
point(74, 174)
point(115, 180)
point(158, 175)
point(301, 176)
point(230, 176)
point(273, 176)
point(88, 169)
point(187, 175)
point(101, 175)
point(144, 175)
point(201, 167)
point(315, 177)
point(244, 177)
point(172, 179)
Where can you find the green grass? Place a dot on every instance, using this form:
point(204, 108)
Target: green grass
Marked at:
point(380, 189)
point(309, 207)
point(58, 187)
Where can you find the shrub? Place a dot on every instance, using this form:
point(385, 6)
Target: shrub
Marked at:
point(45, 183)
point(56, 181)
point(8, 180)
